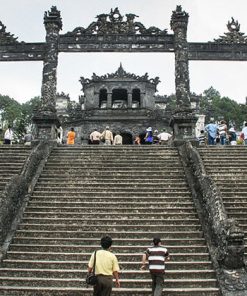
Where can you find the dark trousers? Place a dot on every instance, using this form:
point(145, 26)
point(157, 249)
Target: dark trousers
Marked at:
point(6, 141)
point(157, 283)
point(103, 286)
point(96, 142)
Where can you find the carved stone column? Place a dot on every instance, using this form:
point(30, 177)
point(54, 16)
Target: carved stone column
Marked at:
point(109, 101)
point(45, 119)
point(183, 119)
point(142, 99)
point(179, 23)
point(129, 100)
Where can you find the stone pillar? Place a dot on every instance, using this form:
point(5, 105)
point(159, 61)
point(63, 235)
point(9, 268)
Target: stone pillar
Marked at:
point(142, 99)
point(179, 23)
point(109, 101)
point(183, 120)
point(129, 100)
point(45, 119)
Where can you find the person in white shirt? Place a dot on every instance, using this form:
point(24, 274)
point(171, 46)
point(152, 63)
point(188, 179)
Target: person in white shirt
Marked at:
point(8, 136)
point(118, 140)
point(95, 137)
point(164, 137)
point(244, 131)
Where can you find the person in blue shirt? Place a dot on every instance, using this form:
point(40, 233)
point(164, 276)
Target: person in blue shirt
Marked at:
point(212, 130)
point(149, 136)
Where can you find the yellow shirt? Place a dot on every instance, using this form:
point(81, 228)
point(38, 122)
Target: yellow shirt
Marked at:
point(71, 138)
point(106, 262)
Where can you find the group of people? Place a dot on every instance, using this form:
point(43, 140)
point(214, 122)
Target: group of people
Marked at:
point(96, 137)
point(219, 134)
point(9, 137)
point(105, 266)
point(107, 137)
point(156, 137)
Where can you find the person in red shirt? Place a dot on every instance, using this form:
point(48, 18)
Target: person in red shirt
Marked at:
point(156, 257)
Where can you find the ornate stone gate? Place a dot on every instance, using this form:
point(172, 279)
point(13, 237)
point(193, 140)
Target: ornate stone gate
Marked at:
point(114, 32)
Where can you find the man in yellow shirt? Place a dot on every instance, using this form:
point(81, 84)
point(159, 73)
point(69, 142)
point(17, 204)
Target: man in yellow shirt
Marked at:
point(106, 268)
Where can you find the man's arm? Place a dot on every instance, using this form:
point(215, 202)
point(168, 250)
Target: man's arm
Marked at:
point(144, 261)
point(115, 274)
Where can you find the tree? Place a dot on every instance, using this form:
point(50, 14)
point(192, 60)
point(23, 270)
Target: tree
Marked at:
point(17, 115)
point(213, 105)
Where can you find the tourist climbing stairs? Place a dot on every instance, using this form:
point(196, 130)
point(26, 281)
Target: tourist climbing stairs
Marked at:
point(227, 165)
point(131, 193)
point(12, 159)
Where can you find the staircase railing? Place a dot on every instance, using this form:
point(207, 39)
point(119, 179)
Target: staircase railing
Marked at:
point(17, 191)
point(225, 238)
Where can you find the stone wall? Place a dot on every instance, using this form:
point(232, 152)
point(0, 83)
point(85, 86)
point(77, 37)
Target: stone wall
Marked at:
point(225, 239)
point(17, 191)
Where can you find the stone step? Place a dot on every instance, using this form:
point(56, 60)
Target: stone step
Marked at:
point(114, 221)
point(113, 183)
point(115, 159)
point(85, 256)
point(74, 201)
point(73, 226)
point(10, 170)
point(104, 177)
point(123, 212)
point(235, 200)
point(124, 274)
point(119, 241)
point(52, 291)
point(80, 265)
point(76, 207)
point(228, 175)
point(126, 148)
point(169, 214)
point(91, 248)
point(236, 209)
point(96, 234)
point(68, 282)
point(96, 181)
point(173, 174)
point(12, 162)
point(113, 188)
point(120, 194)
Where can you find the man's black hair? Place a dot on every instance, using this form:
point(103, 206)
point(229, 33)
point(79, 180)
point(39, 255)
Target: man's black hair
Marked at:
point(156, 241)
point(106, 242)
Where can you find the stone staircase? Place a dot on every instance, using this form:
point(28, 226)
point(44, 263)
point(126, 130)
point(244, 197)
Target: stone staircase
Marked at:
point(12, 159)
point(132, 193)
point(227, 165)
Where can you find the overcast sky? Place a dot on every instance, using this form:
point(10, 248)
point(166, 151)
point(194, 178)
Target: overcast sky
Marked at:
point(208, 19)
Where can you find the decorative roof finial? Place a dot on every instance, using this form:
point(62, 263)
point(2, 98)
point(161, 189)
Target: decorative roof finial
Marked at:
point(6, 37)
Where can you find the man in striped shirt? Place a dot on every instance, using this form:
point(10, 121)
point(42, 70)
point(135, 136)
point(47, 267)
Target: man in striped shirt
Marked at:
point(156, 256)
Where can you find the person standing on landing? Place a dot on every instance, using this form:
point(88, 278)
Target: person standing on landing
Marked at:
point(71, 137)
point(8, 136)
point(156, 257)
point(106, 267)
point(107, 136)
point(212, 130)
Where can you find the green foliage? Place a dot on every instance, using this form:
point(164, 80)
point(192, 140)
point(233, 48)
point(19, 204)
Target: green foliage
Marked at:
point(10, 110)
point(217, 107)
point(17, 115)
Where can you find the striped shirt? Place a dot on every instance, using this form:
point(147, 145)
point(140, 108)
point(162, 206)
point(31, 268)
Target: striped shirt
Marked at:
point(156, 256)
